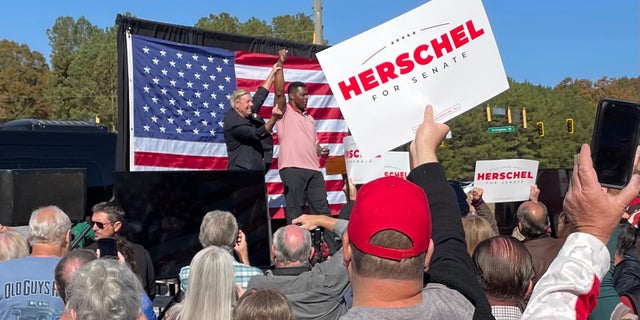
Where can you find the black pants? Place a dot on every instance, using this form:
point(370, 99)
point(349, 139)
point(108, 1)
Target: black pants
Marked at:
point(302, 186)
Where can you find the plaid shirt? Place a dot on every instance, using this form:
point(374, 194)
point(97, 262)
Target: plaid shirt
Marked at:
point(243, 274)
point(506, 312)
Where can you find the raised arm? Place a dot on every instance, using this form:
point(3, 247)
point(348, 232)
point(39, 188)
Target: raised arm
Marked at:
point(450, 264)
point(279, 100)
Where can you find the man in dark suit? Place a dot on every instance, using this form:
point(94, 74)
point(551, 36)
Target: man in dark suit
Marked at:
point(246, 134)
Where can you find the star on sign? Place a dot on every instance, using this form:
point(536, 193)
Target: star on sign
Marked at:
point(181, 92)
point(155, 61)
point(212, 77)
point(163, 53)
point(196, 75)
point(188, 65)
point(219, 68)
point(227, 78)
point(162, 129)
point(179, 130)
point(154, 99)
point(221, 87)
point(194, 57)
point(145, 50)
point(156, 80)
point(206, 105)
point(189, 103)
point(196, 113)
point(146, 127)
point(204, 122)
point(190, 84)
point(172, 63)
point(221, 124)
point(205, 86)
point(198, 94)
point(146, 108)
point(146, 89)
point(196, 131)
point(171, 120)
point(203, 67)
point(213, 96)
point(172, 102)
point(164, 72)
point(221, 105)
point(172, 82)
point(188, 122)
point(210, 58)
point(213, 114)
point(212, 132)
point(154, 119)
point(163, 109)
point(226, 60)
point(179, 55)
point(180, 111)
point(147, 70)
point(181, 74)
point(164, 91)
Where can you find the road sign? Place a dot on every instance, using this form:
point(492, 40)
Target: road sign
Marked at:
point(501, 129)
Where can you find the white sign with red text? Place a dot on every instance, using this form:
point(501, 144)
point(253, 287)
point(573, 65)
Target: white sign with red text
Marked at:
point(362, 170)
point(505, 180)
point(396, 164)
point(442, 53)
point(359, 169)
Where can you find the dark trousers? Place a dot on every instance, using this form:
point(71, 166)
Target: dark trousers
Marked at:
point(302, 186)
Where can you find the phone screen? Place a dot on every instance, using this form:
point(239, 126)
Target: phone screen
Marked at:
point(107, 247)
point(615, 138)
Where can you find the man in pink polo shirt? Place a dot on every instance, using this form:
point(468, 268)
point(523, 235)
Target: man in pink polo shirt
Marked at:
point(298, 159)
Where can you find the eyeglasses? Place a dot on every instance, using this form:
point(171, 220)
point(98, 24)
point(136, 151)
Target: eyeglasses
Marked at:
point(100, 224)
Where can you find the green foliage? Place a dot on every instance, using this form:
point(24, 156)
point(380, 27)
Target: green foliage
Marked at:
point(297, 27)
point(23, 78)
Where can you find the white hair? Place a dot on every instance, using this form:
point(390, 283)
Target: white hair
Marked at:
point(105, 289)
point(48, 225)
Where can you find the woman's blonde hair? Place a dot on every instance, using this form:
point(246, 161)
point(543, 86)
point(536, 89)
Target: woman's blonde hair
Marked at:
point(212, 289)
point(476, 229)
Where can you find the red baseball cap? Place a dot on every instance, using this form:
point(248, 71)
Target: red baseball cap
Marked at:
point(390, 203)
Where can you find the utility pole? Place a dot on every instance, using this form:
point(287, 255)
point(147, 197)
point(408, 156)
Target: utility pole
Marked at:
point(317, 19)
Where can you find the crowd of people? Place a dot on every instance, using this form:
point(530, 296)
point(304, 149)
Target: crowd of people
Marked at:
point(403, 249)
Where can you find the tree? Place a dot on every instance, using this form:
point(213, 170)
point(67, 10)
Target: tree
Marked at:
point(23, 79)
point(65, 38)
point(296, 28)
point(223, 23)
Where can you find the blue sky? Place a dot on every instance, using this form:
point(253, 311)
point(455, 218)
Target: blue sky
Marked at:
point(540, 41)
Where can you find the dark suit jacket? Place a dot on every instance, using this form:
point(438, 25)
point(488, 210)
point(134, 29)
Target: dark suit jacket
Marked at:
point(249, 145)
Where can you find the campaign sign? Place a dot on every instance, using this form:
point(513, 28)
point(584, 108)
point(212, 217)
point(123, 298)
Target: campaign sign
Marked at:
point(505, 180)
point(442, 53)
point(362, 170)
point(359, 169)
point(396, 164)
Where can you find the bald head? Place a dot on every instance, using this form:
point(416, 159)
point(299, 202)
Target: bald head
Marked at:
point(49, 225)
point(292, 245)
point(533, 219)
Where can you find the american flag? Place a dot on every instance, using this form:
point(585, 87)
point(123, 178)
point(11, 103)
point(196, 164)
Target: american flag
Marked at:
point(180, 96)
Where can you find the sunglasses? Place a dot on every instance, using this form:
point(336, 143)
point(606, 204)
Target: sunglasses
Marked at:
point(100, 224)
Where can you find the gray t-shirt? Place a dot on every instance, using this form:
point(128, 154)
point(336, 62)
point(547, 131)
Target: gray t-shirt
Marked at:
point(438, 302)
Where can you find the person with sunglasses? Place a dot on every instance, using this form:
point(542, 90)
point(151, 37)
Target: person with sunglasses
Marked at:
point(107, 220)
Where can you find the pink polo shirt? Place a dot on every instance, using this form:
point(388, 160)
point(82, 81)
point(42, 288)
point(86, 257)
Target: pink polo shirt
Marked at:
point(298, 140)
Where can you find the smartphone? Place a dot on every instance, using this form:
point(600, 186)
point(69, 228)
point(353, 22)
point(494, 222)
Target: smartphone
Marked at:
point(108, 248)
point(614, 141)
